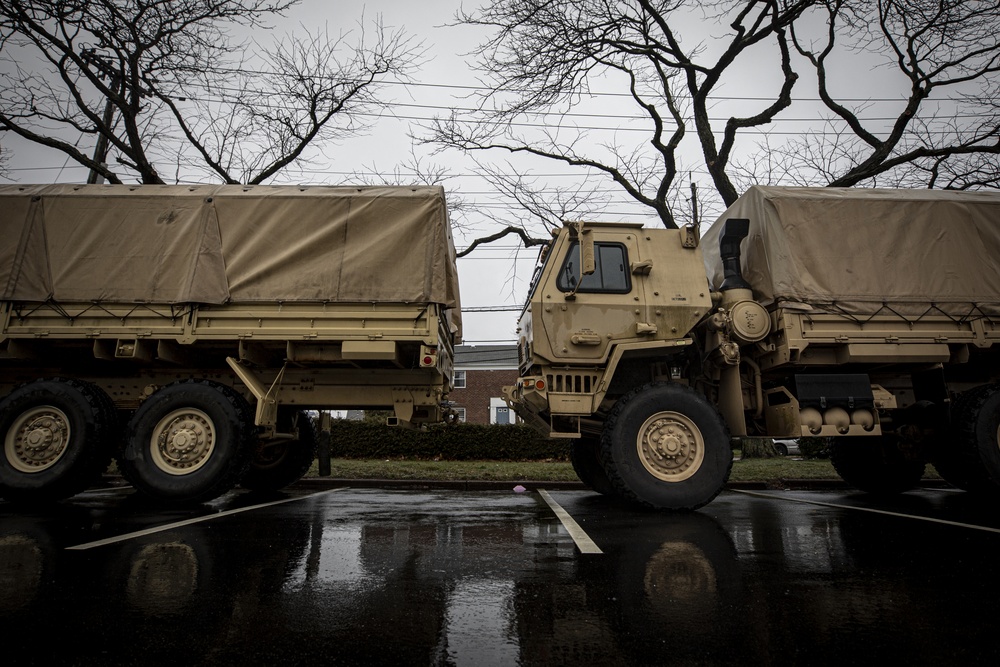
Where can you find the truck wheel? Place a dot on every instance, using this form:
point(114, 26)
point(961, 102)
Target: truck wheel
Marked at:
point(875, 464)
point(665, 446)
point(585, 455)
point(928, 428)
point(976, 417)
point(55, 439)
point(191, 441)
point(276, 465)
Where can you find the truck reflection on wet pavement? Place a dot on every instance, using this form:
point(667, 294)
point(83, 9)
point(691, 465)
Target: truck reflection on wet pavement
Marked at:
point(357, 576)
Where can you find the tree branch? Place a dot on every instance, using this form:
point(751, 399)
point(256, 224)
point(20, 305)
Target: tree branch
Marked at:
point(528, 241)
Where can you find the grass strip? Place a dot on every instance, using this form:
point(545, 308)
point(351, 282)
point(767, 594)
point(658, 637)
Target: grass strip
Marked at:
point(744, 470)
point(542, 471)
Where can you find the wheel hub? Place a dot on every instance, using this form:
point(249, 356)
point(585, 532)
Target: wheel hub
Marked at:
point(37, 439)
point(40, 438)
point(670, 446)
point(183, 441)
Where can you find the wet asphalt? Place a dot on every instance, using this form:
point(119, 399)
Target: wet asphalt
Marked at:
point(328, 576)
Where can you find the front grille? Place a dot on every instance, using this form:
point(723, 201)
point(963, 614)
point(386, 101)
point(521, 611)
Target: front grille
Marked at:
point(572, 383)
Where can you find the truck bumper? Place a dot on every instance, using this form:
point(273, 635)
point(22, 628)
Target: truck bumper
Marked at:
point(528, 403)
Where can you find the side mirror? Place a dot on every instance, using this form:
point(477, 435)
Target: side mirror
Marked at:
point(588, 264)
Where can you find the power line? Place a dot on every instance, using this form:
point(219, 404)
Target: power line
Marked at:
point(487, 89)
point(330, 172)
point(489, 204)
point(732, 98)
point(571, 127)
point(577, 114)
point(491, 309)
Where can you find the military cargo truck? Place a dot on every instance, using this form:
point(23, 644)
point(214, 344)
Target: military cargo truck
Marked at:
point(186, 330)
point(869, 317)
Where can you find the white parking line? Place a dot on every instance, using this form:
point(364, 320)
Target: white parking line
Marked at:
point(583, 541)
point(188, 522)
point(868, 509)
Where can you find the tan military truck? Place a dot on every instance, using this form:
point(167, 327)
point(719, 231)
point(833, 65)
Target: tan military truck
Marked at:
point(870, 317)
point(185, 330)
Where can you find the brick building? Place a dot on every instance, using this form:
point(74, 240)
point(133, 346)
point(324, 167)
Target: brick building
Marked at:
point(480, 371)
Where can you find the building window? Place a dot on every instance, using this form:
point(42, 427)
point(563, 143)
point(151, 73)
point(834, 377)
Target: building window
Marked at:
point(459, 414)
point(460, 380)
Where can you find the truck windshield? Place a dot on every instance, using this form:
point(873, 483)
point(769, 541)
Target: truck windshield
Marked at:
point(611, 274)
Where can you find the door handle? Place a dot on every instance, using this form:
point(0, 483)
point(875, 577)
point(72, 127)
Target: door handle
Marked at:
point(585, 338)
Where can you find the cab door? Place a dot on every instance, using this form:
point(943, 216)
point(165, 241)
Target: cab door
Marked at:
point(583, 314)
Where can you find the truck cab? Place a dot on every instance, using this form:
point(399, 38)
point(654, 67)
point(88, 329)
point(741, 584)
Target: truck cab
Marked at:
point(603, 296)
point(609, 326)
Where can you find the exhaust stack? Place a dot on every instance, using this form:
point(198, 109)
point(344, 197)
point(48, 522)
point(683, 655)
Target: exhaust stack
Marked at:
point(746, 321)
point(735, 231)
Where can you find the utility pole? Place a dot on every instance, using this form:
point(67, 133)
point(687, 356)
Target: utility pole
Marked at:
point(104, 66)
point(101, 150)
point(694, 204)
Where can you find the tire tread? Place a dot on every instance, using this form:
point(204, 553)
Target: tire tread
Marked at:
point(98, 430)
point(244, 431)
point(607, 445)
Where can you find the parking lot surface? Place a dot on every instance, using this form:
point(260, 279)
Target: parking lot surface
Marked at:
point(445, 577)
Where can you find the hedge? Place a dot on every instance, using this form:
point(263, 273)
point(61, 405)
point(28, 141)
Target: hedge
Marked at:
point(815, 448)
point(455, 442)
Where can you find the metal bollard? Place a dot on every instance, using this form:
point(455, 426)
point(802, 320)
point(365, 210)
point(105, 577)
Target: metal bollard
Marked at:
point(323, 448)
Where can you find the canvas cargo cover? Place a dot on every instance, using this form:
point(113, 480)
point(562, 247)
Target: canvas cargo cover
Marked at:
point(216, 244)
point(868, 251)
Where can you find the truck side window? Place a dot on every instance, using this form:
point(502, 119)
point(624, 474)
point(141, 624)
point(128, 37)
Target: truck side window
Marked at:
point(611, 275)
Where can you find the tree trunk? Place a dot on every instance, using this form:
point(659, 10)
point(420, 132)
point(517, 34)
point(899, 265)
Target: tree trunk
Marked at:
point(758, 448)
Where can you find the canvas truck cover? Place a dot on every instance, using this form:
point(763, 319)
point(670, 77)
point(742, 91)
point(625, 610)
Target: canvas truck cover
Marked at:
point(868, 251)
point(216, 244)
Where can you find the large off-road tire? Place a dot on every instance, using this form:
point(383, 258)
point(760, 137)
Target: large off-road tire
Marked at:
point(57, 436)
point(976, 420)
point(191, 441)
point(276, 465)
point(665, 446)
point(875, 464)
point(585, 455)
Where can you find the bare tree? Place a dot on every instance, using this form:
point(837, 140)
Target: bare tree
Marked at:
point(547, 56)
point(418, 170)
point(942, 50)
point(161, 85)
